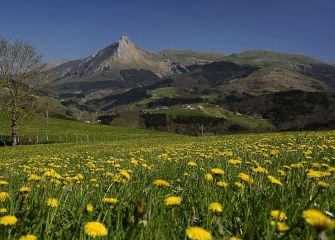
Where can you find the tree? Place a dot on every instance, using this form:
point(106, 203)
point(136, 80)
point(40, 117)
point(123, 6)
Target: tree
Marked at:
point(22, 78)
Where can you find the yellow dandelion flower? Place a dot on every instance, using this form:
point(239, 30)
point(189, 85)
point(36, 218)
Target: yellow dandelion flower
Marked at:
point(259, 169)
point(215, 207)
point(238, 184)
point(245, 177)
point(161, 182)
point(111, 201)
point(192, 164)
point(34, 177)
point(322, 184)
point(234, 238)
point(8, 220)
point(217, 171)
point(209, 177)
point(280, 215)
point(198, 233)
point(52, 202)
point(95, 229)
point(25, 189)
point(3, 182)
point(234, 161)
point(317, 174)
point(222, 184)
point(28, 237)
point(89, 208)
point(282, 227)
point(3, 210)
point(3, 196)
point(172, 201)
point(318, 220)
point(275, 180)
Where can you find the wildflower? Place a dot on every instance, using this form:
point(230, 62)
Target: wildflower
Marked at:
point(25, 189)
point(34, 177)
point(28, 237)
point(259, 169)
point(8, 220)
point(280, 215)
point(209, 177)
point(282, 227)
point(161, 182)
point(222, 184)
point(217, 171)
point(125, 173)
point(317, 174)
point(3, 210)
point(215, 207)
point(192, 164)
point(3, 182)
point(245, 177)
point(234, 238)
point(238, 184)
point(234, 161)
point(89, 208)
point(318, 220)
point(95, 229)
point(3, 196)
point(111, 201)
point(322, 184)
point(172, 201)
point(52, 202)
point(198, 233)
point(275, 180)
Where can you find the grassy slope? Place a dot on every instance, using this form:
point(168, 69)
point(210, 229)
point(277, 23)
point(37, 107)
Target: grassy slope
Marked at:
point(75, 131)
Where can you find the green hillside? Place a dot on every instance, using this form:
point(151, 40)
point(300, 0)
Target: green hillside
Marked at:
point(35, 129)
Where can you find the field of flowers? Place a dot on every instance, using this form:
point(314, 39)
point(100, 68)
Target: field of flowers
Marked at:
point(253, 186)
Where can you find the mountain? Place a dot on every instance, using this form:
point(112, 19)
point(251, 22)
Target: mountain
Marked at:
point(269, 90)
point(119, 67)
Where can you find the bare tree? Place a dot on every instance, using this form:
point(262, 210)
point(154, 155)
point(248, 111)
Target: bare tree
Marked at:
point(22, 78)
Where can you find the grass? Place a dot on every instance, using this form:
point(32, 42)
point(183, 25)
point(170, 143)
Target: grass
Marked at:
point(164, 92)
point(61, 130)
point(77, 174)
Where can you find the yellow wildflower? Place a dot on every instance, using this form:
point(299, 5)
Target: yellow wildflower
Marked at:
point(8, 220)
point(318, 220)
point(172, 201)
point(198, 233)
point(280, 215)
point(52, 202)
point(95, 229)
point(161, 182)
point(215, 207)
point(28, 237)
point(110, 200)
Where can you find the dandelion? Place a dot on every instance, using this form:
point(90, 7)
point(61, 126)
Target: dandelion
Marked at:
point(282, 227)
point(25, 189)
point(245, 177)
point(280, 215)
point(89, 208)
point(318, 220)
point(317, 174)
point(322, 184)
point(275, 180)
point(234, 161)
point(34, 177)
point(52, 202)
point(161, 182)
point(95, 229)
point(8, 220)
point(192, 164)
point(209, 177)
point(172, 201)
point(3, 196)
point(222, 184)
point(234, 238)
point(215, 207)
point(3, 210)
point(3, 182)
point(198, 233)
point(217, 171)
point(259, 169)
point(111, 201)
point(28, 237)
point(238, 184)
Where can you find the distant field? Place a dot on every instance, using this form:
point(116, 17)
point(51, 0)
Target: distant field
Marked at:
point(246, 186)
point(61, 130)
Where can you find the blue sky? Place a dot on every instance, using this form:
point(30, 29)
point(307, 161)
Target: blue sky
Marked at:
point(76, 28)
